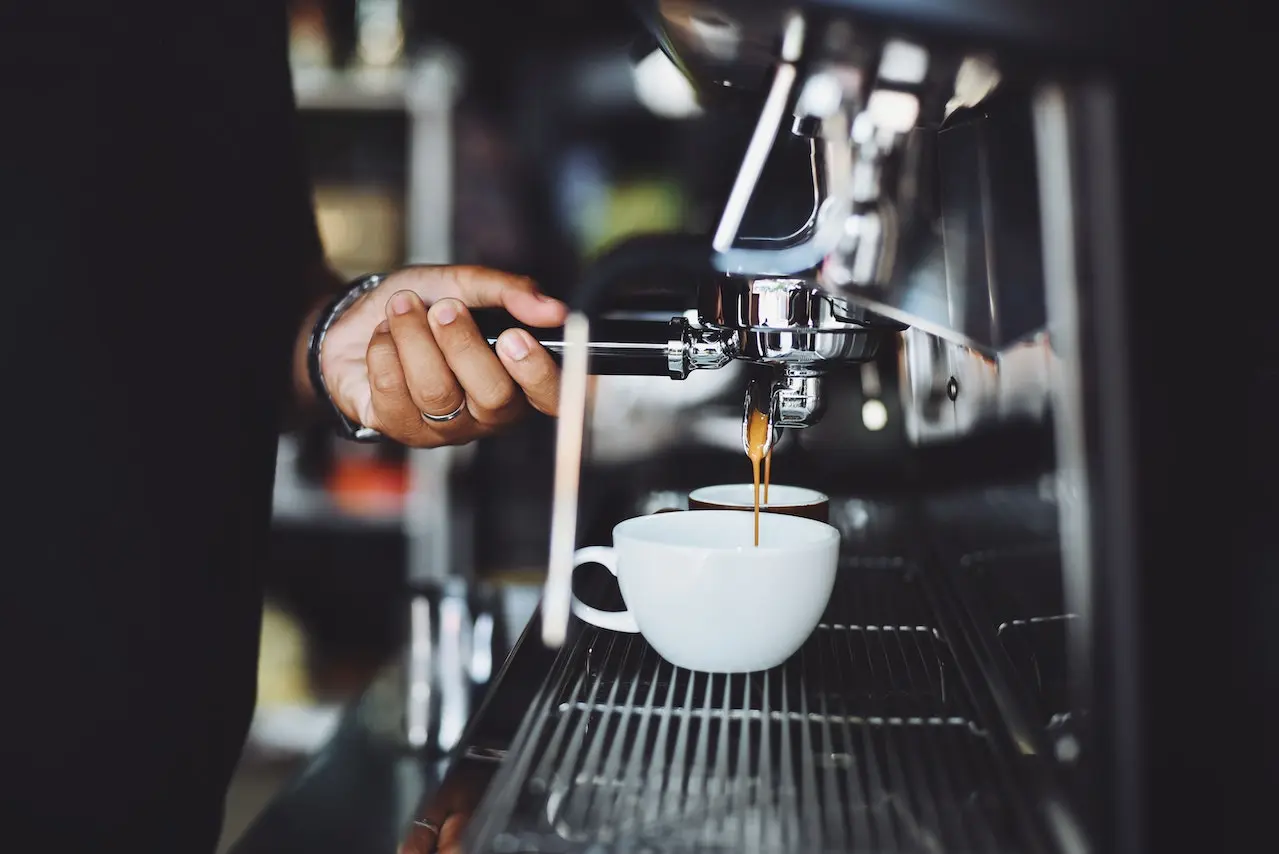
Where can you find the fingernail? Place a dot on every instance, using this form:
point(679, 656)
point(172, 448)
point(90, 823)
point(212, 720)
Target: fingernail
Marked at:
point(383, 327)
point(547, 298)
point(402, 303)
point(444, 312)
point(514, 346)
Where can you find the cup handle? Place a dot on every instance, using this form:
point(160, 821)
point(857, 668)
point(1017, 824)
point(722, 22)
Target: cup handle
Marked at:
point(616, 621)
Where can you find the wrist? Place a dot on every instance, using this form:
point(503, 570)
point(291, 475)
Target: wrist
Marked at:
point(309, 365)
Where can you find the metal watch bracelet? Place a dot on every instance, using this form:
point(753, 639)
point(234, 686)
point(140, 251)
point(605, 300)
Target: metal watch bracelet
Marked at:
point(346, 428)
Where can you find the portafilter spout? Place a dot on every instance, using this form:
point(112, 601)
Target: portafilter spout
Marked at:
point(759, 401)
point(786, 398)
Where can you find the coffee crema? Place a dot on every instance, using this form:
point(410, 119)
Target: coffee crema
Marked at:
point(757, 439)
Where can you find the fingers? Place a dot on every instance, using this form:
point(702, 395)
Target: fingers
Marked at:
point(480, 287)
point(433, 361)
point(393, 410)
point(430, 382)
point(452, 832)
point(428, 840)
point(420, 840)
point(529, 365)
point(491, 394)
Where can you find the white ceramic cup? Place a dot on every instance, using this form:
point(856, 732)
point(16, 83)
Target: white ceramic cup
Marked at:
point(790, 500)
point(705, 597)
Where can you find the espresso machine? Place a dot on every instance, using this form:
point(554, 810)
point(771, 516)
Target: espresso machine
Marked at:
point(977, 683)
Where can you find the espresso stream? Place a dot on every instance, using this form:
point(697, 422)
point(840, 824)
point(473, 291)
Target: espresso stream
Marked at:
point(756, 441)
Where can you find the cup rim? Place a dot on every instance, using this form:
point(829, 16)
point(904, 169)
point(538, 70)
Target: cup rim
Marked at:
point(816, 496)
point(822, 533)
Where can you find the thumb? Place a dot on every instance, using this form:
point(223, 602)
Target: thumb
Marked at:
point(482, 287)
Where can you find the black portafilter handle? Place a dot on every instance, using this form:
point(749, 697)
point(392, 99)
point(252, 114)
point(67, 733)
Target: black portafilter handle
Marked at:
point(618, 346)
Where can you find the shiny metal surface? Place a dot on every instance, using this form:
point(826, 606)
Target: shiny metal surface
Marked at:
point(781, 304)
point(949, 391)
point(1077, 131)
point(650, 346)
point(869, 739)
point(789, 322)
point(685, 349)
point(904, 224)
point(801, 252)
point(761, 142)
point(890, 256)
point(699, 350)
point(727, 46)
point(798, 399)
point(453, 660)
point(419, 675)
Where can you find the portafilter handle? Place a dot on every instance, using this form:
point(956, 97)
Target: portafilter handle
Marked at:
point(623, 346)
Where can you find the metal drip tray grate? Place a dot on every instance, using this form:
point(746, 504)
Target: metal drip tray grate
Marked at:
point(871, 675)
point(1037, 649)
point(1021, 591)
point(864, 741)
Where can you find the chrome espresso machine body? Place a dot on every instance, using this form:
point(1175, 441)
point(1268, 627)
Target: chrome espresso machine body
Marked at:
point(975, 684)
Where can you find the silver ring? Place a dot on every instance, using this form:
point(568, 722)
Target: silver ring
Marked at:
point(428, 825)
point(440, 419)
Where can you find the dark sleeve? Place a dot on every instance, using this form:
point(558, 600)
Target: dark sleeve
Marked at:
point(154, 135)
point(279, 168)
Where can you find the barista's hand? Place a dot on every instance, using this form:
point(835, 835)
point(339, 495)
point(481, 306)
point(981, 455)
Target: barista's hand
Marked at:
point(426, 840)
point(410, 347)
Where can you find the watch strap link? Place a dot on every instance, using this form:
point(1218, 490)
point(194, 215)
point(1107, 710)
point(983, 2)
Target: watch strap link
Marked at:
point(337, 307)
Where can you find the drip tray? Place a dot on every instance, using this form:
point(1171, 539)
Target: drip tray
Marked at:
point(866, 740)
point(863, 674)
point(1021, 592)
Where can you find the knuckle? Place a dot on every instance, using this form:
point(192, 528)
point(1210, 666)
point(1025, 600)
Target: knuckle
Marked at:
point(495, 395)
point(519, 283)
point(386, 380)
point(539, 374)
point(436, 398)
point(381, 348)
point(547, 404)
point(459, 342)
point(545, 372)
point(404, 423)
point(386, 375)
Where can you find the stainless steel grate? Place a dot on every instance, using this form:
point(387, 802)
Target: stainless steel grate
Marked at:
point(1020, 591)
point(864, 741)
point(1037, 649)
